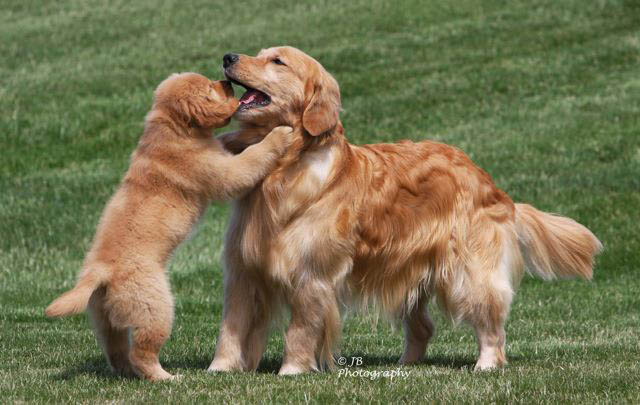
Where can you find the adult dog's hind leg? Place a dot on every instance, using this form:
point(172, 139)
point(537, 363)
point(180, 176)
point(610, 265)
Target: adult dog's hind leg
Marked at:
point(489, 298)
point(114, 341)
point(491, 341)
point(418, 330)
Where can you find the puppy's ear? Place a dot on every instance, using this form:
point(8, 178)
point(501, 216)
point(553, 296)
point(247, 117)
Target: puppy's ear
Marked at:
point(321, 112)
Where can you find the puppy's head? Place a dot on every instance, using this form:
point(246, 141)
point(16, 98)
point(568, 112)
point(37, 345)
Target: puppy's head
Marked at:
point(285, 86)
point(195, 101)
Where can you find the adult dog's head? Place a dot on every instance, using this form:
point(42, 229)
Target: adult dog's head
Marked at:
point(284, 86)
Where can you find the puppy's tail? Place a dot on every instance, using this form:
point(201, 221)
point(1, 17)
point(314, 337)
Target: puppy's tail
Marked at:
point(554, 246)
point(76, 300)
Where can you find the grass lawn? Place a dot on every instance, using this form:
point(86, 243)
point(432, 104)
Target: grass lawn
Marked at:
point(544, 95)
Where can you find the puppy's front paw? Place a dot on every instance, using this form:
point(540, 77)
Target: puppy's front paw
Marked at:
point(281, 137)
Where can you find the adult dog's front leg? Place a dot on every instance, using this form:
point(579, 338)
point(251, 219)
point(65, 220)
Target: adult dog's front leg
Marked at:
point(237, 321)
point(314, 328)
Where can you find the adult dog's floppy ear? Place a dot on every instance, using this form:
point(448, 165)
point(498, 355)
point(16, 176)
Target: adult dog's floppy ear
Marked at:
point(321, 111)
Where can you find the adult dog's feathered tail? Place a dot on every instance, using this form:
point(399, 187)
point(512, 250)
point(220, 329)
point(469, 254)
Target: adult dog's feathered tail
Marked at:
point(76, 300)
point(554, 246)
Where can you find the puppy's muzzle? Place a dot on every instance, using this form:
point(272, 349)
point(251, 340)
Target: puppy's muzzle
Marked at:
point(228, 89)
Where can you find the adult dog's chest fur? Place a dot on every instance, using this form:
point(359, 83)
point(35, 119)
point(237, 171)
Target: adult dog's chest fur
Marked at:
point(289, 222)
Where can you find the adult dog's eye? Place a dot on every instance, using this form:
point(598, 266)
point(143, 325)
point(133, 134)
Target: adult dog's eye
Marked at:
point(278, 61)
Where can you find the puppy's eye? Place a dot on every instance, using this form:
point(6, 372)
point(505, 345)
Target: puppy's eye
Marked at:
point(278, 61)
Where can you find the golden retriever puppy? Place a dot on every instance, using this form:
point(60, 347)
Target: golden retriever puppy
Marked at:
point(393, 225)
point(177, 169)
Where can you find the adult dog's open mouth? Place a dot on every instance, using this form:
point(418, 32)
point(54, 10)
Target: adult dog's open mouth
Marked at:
point(252, 98)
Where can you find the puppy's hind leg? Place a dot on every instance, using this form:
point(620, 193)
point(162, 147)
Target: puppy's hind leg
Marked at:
point(147, 305)
point(114, 341)
point(146, 343)
point(418, 330)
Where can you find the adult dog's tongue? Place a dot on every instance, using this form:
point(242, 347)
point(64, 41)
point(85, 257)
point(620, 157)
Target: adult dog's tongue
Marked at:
point(252, 96)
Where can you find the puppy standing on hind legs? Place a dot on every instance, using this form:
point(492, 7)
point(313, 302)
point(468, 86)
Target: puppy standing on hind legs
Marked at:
point(177, 169)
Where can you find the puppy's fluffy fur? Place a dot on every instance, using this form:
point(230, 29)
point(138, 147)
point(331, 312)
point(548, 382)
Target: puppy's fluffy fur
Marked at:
point(176, 170)
point(389, 224)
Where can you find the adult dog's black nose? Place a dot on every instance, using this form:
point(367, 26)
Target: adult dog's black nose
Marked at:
point(229, 59)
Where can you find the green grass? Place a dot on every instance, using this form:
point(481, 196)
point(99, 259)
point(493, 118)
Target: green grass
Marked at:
point(544, 95)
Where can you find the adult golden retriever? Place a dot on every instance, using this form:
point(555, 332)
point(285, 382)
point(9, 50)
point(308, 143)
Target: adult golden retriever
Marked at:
point(177, 169)
point(389, 224)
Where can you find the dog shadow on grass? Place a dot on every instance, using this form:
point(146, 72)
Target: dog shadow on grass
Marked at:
point(360, 360)
point(367, 360)
point(271, 364)
point(96, 366)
